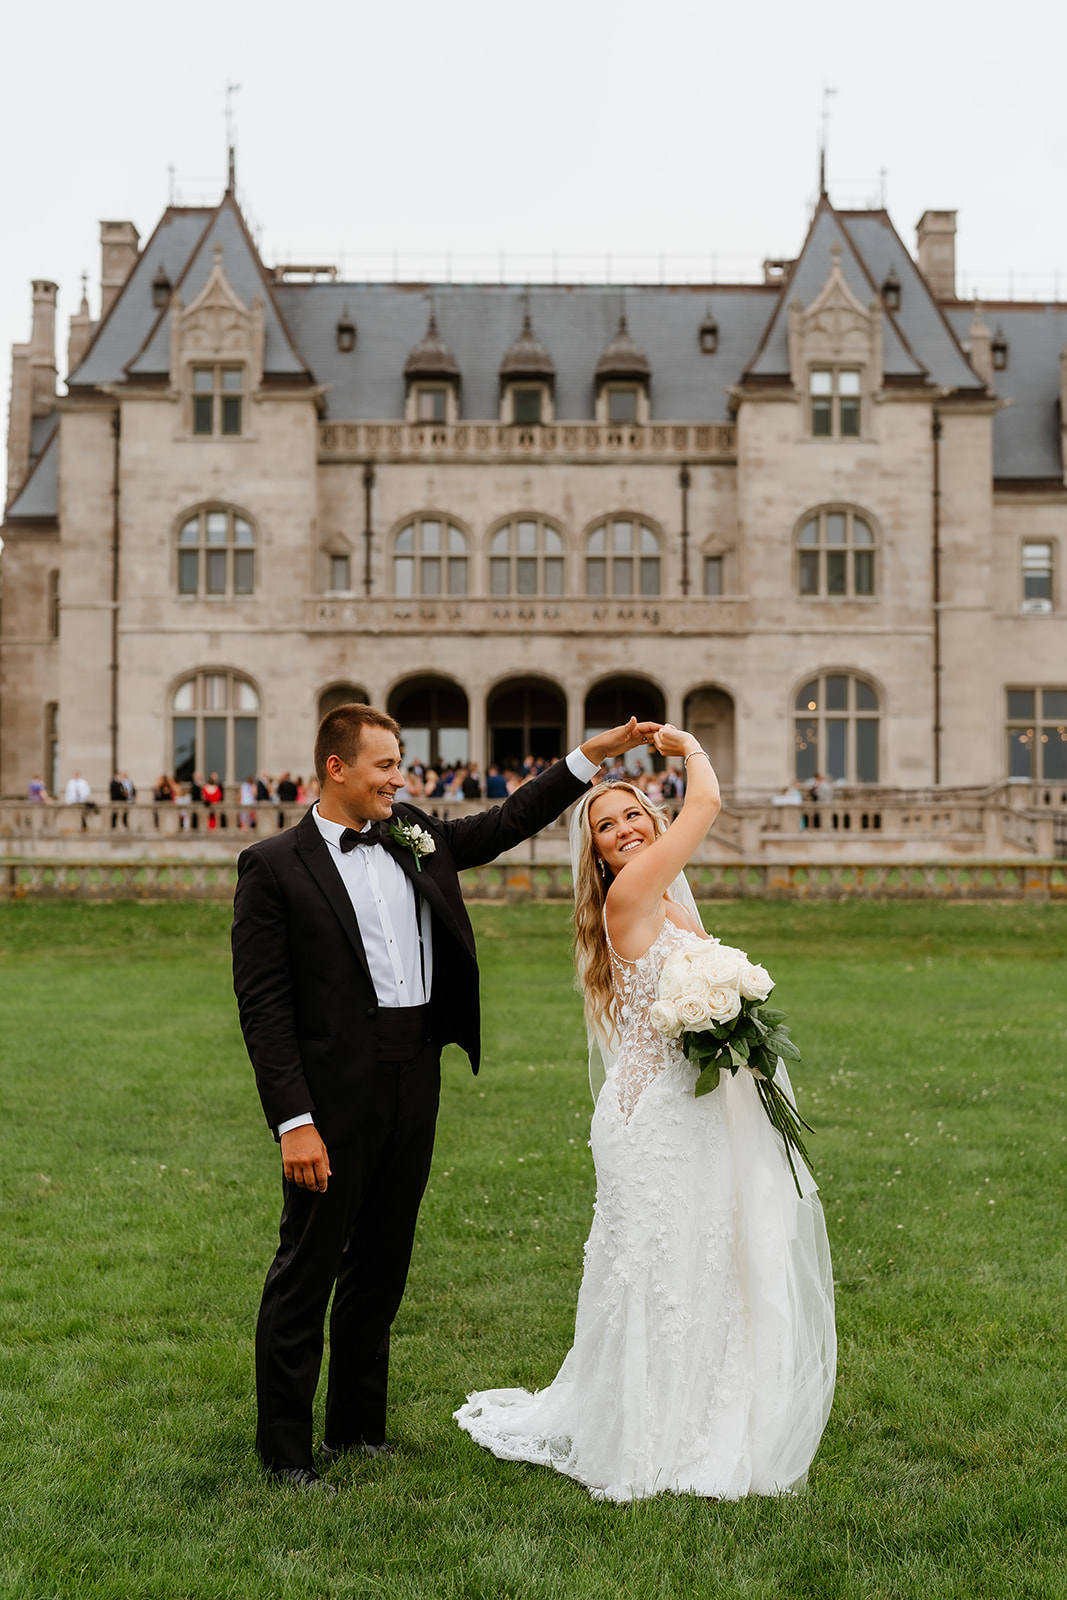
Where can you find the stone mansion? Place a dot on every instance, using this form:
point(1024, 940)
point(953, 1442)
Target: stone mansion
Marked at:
point(819, 520)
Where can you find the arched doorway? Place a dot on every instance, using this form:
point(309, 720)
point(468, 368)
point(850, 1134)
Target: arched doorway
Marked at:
point(340, 694)
point(709, 716)
point(526, 717)
point(615, 701)
point(434, 721)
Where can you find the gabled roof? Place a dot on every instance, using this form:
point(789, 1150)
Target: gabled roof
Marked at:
point(809, 274)
point(39, 496)
point(245, 274)
point(1026, 434)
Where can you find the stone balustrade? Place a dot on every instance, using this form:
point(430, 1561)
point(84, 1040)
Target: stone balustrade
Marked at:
point(500, 441)
point(536, 615)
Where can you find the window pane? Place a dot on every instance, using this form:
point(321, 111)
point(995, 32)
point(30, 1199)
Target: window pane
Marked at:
point(231, 414)
point(809, 533)
point(864, 571)
point(215, 746)
point(188, 571)
point(835, 527)
point(500, 576)
point(203, 379)
point(431, 538)
point(245, 697)
point(457, 541)
point(231, 378)
point(807, 749)
point(822, 382)
point(553, 575)
point(184, 696)
point(808, 697)
point(835, 572)
point(850, 419)
point(526, 575)
point(866, 750)
point(216, 572)
point(622, 576)
point(405, 541)
point(403, 576)
point(848, 383)
point(244, 747)
point(242, 533)
point(820, 418)
point(650, 575)
point(1020, 747)
point(243, 571)
point(553, 544)
point(624, 538)
point(596, 542)
point(1054, 703)
point(713, 574)
point(190, 534)
point(836, 749)
point(1020, 704)
point(215, 692)
point(203, 412)
point(526, 538)
point(595, 576)
point(216, 527)
point(430, 575)
point(1037, 555)
point(527, 405)
point(861, 534)
point(500, 544)
point(837, 694)
point(339, 572)
point(649, 542)
point(457, 574)
point(431, 405)
point(866, 699)
point(184, 747)
point(1037, 585)
point(1054, 754)
point(622, 405)
point(809, 572)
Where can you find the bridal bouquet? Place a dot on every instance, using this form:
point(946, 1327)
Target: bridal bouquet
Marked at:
point(711, 999)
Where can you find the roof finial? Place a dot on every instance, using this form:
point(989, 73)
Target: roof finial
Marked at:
point(231, 152)
point(826, 93)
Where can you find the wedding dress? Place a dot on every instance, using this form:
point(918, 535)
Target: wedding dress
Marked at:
point(704, 1346)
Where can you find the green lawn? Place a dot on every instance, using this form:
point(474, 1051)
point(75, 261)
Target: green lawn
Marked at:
point(138, 1201)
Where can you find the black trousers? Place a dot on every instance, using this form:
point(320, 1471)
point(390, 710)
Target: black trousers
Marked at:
point(354, 1241)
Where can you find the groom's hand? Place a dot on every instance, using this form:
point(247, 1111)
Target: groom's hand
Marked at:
point(304, 1158)
point(616, 741)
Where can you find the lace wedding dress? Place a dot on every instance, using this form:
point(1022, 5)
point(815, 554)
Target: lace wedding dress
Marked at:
point(704, 1345)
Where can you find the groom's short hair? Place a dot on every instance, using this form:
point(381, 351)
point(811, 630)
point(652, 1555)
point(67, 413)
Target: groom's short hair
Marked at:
point(341, 734)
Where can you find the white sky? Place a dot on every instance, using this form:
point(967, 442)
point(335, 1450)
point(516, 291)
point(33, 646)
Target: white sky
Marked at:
point(570, 126)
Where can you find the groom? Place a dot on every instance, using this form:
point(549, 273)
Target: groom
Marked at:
point(354, 963)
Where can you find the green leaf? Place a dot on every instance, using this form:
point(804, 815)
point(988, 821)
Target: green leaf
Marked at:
point(739, 1057)
point(708, 1080)
point(771, 1016)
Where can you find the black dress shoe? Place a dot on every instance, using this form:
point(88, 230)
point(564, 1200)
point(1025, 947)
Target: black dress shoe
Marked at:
point(303, 1478)
point(334, 1452)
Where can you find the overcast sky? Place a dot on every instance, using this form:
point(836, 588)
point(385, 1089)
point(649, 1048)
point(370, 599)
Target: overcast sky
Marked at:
point(574, 127)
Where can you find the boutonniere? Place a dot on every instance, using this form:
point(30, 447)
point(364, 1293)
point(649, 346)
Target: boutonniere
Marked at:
point(411, 837)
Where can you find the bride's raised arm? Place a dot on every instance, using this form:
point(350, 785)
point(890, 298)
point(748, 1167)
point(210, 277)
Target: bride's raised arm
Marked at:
point(638, 888)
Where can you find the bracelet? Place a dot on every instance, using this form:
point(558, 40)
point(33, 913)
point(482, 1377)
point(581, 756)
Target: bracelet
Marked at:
point(693, 753)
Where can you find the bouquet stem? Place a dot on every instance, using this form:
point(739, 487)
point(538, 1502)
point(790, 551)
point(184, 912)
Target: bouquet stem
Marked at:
point(784, 1116)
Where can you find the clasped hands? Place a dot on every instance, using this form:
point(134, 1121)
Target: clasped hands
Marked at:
point(661, 736)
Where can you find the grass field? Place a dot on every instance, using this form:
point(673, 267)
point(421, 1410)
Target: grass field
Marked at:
point(139, 1193)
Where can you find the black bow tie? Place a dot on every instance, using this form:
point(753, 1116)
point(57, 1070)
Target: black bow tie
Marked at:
point(377, 833)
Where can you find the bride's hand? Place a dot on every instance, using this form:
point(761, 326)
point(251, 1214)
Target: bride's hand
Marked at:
point(672, 741)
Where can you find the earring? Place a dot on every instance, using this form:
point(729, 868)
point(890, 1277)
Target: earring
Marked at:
point(601, 867)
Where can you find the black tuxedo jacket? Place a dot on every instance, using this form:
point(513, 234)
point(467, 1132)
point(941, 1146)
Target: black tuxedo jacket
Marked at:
point(306, 1000)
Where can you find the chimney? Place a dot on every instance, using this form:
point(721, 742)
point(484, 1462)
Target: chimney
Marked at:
point(43, 347)
point(118, 254)
point(980, 347)
point(937, 252)
point(33, 384)
point(81, 331)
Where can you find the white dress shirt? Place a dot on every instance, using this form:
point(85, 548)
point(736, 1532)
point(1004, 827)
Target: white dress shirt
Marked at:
point(383, 899)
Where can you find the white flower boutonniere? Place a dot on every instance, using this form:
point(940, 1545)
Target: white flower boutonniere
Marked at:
point(418, 840)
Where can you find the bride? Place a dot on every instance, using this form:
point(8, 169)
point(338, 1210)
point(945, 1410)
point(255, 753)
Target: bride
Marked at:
point(704, 1345)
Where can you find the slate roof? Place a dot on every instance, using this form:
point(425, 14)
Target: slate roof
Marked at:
point(1026, 434)
point(39, 496)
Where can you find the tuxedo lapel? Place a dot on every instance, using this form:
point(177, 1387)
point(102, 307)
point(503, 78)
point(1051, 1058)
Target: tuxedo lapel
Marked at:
point(315, 854)
point(427, 883)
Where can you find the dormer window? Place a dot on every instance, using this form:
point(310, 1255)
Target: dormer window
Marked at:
point(891, 291)
point(999, 348)
point(217, 397)
point(527, 379)
point(160, 289)
point(432, 378)
point(623, 380)
point(431, 403)
point(346, 333)
point(526, 404)
point(835, 402)
point(709, 335)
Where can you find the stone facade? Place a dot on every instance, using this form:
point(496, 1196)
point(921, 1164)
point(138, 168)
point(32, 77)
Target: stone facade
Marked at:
point(799, 516)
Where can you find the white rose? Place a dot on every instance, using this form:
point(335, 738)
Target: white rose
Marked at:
point(724, 1003)
point(721, 964)
point(693, 1014)
point(664, 1018)
point(756, 982)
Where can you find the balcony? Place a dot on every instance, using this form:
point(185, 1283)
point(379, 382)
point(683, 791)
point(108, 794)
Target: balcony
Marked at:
point(694, 442)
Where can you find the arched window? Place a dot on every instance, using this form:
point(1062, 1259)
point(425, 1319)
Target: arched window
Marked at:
point(836, 729)
point(216, 553)
point(622, 558)
point(835, 553)
point(429, 558)
point(526, 557)
point(215, 725)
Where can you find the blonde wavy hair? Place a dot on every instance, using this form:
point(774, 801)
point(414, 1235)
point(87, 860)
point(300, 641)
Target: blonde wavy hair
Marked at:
point(591, 958)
